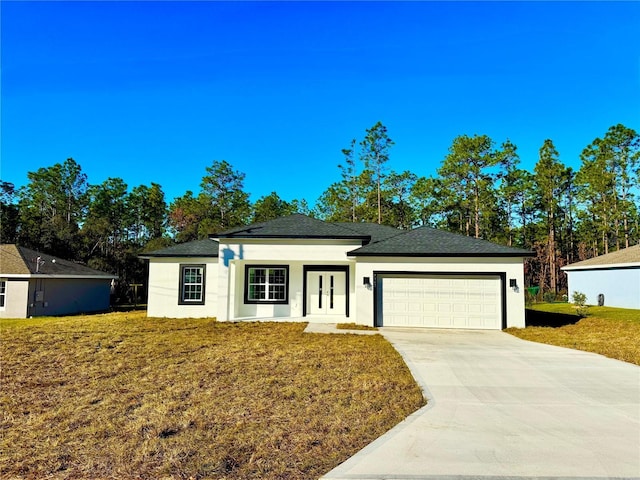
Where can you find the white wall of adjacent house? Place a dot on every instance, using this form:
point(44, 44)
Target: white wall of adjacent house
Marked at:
point(16, 298)
point(620, 286)
point(294, 254)
point(164, 288)
point(459, 270)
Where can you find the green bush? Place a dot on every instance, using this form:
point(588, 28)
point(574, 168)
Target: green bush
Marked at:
point(580, 300)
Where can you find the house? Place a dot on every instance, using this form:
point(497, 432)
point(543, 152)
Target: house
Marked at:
point(35, 284)
point(297, 268)
point(612, 279)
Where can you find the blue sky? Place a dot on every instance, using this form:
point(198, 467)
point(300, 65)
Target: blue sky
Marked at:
point(155, 91)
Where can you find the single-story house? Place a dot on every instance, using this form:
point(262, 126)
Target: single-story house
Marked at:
point(36, 284)
point(612, 279)
point(297, 268)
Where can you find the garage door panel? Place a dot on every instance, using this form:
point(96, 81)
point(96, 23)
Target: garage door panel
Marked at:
point(442, 302)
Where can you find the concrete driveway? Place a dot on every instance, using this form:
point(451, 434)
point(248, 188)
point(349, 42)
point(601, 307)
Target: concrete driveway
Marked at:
point(506, 408)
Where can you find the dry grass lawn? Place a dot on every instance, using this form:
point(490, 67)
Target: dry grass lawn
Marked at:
point(355, 326)
point(613, 332)
point(124, 396)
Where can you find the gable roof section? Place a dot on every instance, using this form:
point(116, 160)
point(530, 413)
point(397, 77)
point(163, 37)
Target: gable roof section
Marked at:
point(11, 260)
point(17, 260)
point(196, 248)
point(293, 226)
point(624, 258)
point(430, 242)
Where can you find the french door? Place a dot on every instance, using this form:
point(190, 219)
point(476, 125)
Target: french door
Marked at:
point(326, 293)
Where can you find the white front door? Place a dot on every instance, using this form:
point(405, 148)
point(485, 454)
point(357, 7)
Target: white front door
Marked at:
point(326, 293)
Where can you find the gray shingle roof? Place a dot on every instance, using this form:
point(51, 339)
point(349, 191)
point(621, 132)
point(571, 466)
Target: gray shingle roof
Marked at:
point(292, 226)
point(625, 256)
point(17, 260)
point(429, 242)
point(378, 240)
point(375, 231)
point(196, 248)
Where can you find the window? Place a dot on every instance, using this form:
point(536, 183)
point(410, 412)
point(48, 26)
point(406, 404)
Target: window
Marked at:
point(192, 284)
point(3, 292)
point(266, 284)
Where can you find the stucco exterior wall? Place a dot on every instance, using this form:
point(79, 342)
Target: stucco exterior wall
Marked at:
point(295, 254)
point(68, 296)
point(511, 267)
point(44, 296)
point(16, 298)
point(620, 287)
point(164, 288)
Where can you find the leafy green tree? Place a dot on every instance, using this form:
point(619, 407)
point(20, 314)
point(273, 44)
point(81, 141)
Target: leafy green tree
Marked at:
point(301, 206)
point(229, 203)
point(334, 205)
point(607, 180)
point(271, 206)
point(350, 180)
point(374, 154)
point(9, 213)
point(550, 183)
point(106, 226)
point(398, 187)
point(509, 186)
point(187, 215)
point(468, 174)
point(147, 212)
point(52, 205)
point(426, 198)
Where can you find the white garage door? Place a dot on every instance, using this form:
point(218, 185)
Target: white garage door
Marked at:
point(442, 302)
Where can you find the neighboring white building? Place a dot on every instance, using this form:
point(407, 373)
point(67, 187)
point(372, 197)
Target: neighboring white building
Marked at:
point(297, 268)
point(615, 276)
point(36, 284)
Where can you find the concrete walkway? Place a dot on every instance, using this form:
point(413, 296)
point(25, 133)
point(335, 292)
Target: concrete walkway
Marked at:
point(501, 407)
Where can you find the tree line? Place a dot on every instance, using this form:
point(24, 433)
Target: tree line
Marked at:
point(479, 190)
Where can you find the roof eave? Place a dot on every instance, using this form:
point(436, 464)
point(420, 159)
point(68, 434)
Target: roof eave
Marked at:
point(441, 255)
point(607, 266)
point(295, 237)
point(147, 256)
point(58, 275)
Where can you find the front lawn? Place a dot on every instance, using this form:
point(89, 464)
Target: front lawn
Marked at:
point(124, 396)
point(609, 331)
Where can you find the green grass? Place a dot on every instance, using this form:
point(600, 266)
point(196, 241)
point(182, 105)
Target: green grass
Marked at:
point(124, 396)
point(609, 331)
point(612, 313)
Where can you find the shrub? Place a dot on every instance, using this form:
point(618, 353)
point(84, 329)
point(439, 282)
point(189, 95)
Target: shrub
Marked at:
point(580, 300)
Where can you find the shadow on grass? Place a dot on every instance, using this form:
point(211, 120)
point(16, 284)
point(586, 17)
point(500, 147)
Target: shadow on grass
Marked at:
point(536, 318)
point(127, 308)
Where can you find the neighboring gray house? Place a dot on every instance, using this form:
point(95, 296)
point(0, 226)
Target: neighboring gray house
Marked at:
point(615, 276)
point(36, 284)
point(298, 268)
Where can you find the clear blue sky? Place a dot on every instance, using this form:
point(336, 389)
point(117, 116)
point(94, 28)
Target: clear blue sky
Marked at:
point(155, 91)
